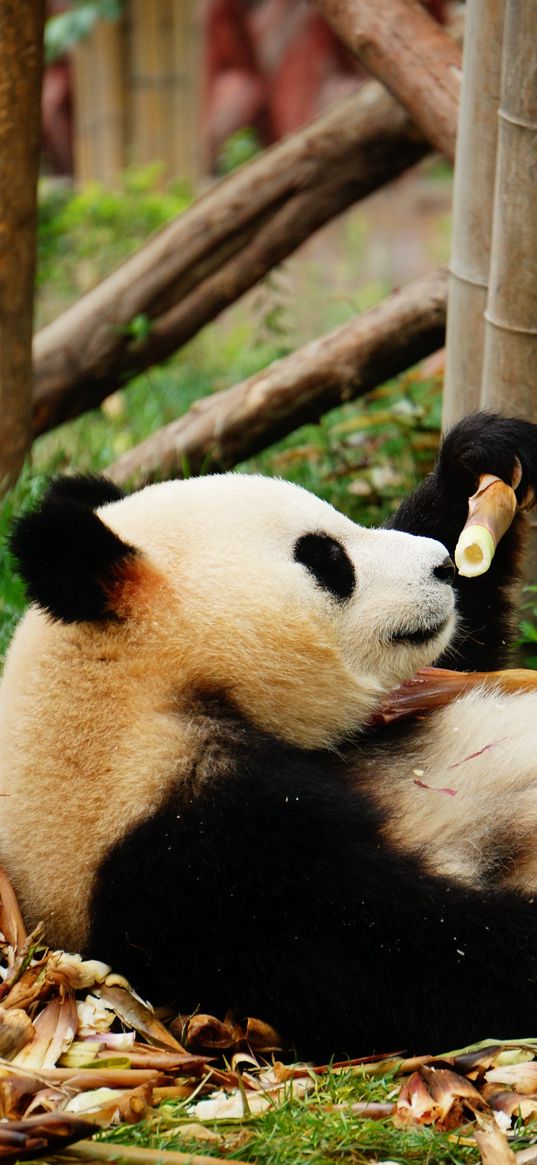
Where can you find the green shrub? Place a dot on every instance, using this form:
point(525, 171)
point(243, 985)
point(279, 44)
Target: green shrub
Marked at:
point(83, 235)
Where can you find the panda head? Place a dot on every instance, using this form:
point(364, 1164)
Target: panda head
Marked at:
point(245, 588)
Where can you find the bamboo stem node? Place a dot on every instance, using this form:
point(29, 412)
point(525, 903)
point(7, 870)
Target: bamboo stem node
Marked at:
point(521, 122)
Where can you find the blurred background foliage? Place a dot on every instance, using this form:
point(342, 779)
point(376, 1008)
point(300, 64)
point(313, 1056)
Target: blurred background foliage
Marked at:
point(65, 29)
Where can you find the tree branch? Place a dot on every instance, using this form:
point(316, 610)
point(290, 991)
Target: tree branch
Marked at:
point(410, 53)
point(206, 258)
point(223, 429)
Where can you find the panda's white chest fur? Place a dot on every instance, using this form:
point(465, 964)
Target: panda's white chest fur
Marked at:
point(463, 793)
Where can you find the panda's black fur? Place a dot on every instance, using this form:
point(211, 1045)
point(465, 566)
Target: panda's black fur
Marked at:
point(264, 883)
point(288, 906)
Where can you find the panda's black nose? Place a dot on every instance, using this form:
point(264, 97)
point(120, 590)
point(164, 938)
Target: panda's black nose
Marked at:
point(446, 571)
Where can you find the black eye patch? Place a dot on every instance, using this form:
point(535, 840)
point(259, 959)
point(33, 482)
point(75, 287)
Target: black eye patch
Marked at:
point(328, 562)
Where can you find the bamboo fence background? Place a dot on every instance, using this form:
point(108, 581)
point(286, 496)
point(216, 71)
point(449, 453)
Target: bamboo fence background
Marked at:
point(136, 87)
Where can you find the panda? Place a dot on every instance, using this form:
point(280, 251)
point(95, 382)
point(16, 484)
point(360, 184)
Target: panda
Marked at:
point(191, 783)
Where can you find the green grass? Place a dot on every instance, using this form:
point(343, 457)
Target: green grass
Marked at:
point(84, 234)
point(311, 1131)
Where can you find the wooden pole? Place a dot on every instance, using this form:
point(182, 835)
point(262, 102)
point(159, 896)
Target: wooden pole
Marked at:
point(223, 429)
point(410, 53)
point(207, 257)
point(473, 199)
point(21, 64)
point(510, 357)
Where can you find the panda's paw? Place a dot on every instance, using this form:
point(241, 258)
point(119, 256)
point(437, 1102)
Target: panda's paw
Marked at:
point(488, 443)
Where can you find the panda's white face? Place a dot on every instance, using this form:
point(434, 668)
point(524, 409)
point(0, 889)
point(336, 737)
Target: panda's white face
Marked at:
point(275, 599)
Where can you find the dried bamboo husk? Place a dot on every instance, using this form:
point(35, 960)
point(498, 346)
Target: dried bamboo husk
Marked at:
point(510, 354)
point(473, 198)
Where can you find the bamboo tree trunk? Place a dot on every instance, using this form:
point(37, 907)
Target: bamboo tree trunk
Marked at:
point(473, 199)
point(510, 354)
point(21, 62)
point(223, 429)
point(510, 357)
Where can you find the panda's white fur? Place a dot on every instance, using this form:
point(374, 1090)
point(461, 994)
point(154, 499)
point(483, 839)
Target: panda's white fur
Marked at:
point(463, 794)
point(185, 736)
point(94, 727)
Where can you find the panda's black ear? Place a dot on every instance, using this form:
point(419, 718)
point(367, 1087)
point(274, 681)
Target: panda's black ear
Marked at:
point(67, 556)
point(88, 489)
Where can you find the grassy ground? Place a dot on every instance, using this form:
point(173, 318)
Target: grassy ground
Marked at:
point(319, 1131)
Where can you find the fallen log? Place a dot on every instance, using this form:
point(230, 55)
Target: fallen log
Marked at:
point(206, 258)
point(223, 429)
point(401, 44)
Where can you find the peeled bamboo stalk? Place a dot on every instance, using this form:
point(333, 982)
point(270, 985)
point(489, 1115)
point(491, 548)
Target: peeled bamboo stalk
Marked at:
point(473, 199)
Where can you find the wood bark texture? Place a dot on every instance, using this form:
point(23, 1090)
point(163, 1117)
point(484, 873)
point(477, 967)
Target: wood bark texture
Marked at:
point(510, 357)
point(21, 61)
point(205, 259)
point(223, 429)
point(401, 44)
point(473, 200)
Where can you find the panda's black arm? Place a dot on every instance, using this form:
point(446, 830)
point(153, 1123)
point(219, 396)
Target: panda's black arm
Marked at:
point(265, 889)
point(438, 508)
